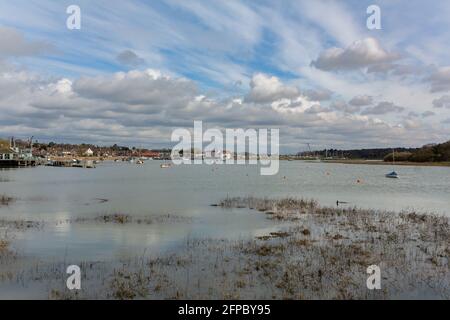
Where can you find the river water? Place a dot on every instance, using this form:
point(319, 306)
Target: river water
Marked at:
point(54, 195)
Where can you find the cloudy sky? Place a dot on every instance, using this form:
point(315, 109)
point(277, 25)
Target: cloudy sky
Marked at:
point(139, 69)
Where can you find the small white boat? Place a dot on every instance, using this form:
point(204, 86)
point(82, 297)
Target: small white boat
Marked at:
point(165, 165)
point(139, 162)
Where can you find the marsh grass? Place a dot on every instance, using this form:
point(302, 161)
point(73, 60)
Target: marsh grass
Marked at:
point(7, 255)
point(21, 225)
point(116, 218)
point(6, 200)
point(283, 209)
point(4, 245)
point(121, 218)
point(322, 253)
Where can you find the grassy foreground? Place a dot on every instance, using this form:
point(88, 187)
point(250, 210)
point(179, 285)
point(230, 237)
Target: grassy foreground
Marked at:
point(313, 252)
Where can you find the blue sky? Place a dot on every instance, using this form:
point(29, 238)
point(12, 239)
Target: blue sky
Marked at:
point(311, 68)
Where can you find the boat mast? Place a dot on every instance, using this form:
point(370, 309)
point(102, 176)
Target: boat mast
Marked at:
point(393, 159)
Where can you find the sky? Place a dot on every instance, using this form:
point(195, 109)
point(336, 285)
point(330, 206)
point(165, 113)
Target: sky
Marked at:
point(137, 70)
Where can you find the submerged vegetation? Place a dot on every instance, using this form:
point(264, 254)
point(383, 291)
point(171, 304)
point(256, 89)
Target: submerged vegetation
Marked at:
point(313, 252)
point(7, 255)
point(5, 200)
point(4, 244)
point(116, 218)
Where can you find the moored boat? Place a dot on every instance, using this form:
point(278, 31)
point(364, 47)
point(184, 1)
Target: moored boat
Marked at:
point(392, 175)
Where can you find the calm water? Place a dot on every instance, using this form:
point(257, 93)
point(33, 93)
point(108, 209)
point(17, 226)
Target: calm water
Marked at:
point(57, 194)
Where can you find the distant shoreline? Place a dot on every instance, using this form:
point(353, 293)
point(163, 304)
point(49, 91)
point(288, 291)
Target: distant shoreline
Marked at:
point(283, 158)
point(400, 163)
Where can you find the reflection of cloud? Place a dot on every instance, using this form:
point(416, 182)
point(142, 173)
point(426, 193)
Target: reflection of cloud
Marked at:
point(62, 217)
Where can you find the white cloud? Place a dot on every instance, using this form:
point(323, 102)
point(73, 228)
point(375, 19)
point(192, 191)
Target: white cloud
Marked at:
point(318, 94)
point(442, 102)
point(65, 110)
point(14, 44)
point(360, 54)
point(130, 58)
point(383, 108)
point(440, 80)
point(427, 114)
point(360, 101)
point(264, 88)
point(334, 18)
point(147, 90)
point(340, 105)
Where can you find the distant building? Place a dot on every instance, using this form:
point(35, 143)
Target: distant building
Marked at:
point(150, 154)
point(227, 155)
point(7, 153)
point(89, 153)
point(219, 154)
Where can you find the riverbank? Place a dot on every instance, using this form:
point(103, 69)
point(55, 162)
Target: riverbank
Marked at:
point(314, 252)
point(397, 163)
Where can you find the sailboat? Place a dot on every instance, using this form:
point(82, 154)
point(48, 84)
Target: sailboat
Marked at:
point(393, 174)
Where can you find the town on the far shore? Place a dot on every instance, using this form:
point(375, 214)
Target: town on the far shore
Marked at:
point(26, 153)
point(16, 153)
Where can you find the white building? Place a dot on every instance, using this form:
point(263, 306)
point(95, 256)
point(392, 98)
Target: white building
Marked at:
point(89, 153)
point(8, 153)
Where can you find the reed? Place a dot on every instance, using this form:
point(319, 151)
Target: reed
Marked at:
point(5, 200)
point(321, 253)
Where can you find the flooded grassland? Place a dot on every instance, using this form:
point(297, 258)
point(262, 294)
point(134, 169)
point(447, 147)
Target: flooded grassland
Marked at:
point(314, 252)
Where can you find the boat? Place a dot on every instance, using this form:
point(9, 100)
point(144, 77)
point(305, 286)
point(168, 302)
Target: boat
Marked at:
point(165, 165)
point(89, 164)
point(139, 162)
point(393, 174)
